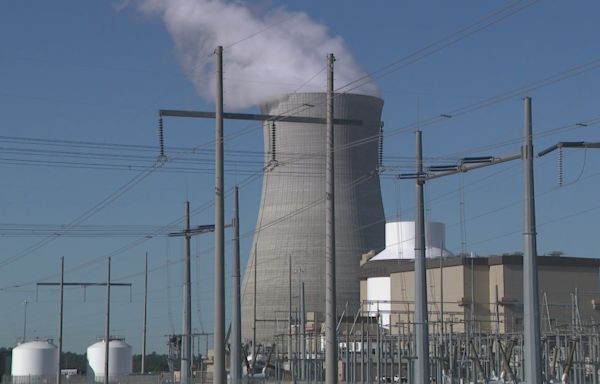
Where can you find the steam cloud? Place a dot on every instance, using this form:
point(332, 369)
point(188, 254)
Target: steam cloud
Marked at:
point(264, 56)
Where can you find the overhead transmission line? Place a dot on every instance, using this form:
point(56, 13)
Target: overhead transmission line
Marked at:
point(460, 34)
point(481, 105)
point(469, 108)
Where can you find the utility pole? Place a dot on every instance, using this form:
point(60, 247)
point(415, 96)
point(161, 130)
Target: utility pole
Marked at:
point(25, 321)
point(186, 337)
point(531, 316)
point(143, 370)
point(60, 317)
point(219, 315)
point(330, 299)
point(107, 333)
point(186, 345)
point(236, 321)
point(290, 316)
point(433, 172)
point(302, 333)
point(559, 146)
point(421, 322)
point(61, 284)
point(254, 349)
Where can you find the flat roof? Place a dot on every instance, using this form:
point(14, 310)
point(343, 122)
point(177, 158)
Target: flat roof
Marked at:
point(381, 268)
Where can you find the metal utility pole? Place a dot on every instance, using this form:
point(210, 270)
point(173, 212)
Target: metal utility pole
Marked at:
point(302, 333)
point(143, 370)
point(186, 341)
point(186, 337)
point(60, 317)
point(219, 315)
point(531, 316)
point(421, 321)
point(442, 301)
point(25, 321)
point(107, 331)
point(236, 321)
point(61, 284)
point(330, 299)
point(290, 316)
point(254, 349)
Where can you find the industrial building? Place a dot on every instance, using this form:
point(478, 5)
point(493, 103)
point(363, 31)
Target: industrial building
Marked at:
point(289, 242)
point(485, 292)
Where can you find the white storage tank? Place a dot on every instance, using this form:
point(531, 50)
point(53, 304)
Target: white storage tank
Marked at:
point(400, 240)
point(119, 359)
point(36, 358)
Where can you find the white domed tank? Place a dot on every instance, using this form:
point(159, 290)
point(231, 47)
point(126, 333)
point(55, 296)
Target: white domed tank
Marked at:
point(34, 359)
point(119, 359)
point(400, 240)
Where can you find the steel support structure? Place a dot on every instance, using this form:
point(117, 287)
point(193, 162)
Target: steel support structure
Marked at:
point(219, 307)
point(421, 320)
point(531, 301)
point(236, 320)
point(331, 345)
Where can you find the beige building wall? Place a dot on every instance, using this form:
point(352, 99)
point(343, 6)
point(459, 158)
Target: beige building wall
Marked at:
point(402, 285)
point(558, 282)
point(558, 285)
point(476, 299)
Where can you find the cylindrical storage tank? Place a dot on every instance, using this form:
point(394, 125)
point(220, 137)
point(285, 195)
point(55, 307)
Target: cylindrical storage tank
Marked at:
point(34, 359)
point(119, 360)
point(400, 240)
point(379, 295)
point(291, 218)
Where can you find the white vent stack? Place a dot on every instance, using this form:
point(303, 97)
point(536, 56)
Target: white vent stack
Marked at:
point(34, 359)
point(119, 360)
point(400, 244)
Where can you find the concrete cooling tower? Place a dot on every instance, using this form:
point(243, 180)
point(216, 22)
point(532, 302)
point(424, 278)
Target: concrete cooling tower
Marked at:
point(291, 219)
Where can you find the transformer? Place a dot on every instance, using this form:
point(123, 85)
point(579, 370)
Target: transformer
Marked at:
point(291, 219)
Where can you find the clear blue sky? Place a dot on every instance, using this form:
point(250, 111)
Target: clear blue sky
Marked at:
point(98, 72)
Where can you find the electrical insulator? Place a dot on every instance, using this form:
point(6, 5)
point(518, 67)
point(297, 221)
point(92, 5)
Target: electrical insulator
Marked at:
point(560, 166)
point(380, 158)
point(161, 138)
point(273, 143)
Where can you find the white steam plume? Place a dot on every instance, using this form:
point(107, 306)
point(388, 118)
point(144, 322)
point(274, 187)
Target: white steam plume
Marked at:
point(265, 56)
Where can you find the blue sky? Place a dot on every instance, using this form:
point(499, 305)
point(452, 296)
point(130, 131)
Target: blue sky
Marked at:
point(97, 72)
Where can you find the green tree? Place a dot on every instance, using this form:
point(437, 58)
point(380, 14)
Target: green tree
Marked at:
point(154, 363)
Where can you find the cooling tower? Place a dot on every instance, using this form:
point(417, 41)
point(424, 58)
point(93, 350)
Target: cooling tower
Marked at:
point(291, 219)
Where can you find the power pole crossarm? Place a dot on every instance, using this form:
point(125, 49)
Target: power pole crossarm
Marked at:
point(466, 165)
point(254, 117)
point(569, 144)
